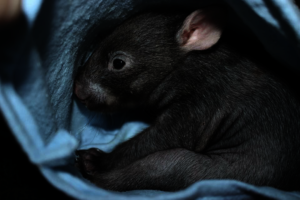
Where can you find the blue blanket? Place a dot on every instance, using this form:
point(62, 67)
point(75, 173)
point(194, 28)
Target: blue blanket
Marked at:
point(36, 81)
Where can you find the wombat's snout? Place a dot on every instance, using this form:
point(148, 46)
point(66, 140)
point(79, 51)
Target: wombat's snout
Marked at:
point(81, 92)
point(91, 95)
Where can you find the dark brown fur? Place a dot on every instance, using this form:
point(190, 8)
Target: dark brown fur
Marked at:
point(219, 113)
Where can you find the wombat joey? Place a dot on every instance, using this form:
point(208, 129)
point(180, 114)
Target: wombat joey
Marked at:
point(219, 114)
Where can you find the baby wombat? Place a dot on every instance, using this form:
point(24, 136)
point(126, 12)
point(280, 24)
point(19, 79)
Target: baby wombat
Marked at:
point(219, 113)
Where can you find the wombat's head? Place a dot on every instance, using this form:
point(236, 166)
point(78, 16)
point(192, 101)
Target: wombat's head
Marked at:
point(136, 57)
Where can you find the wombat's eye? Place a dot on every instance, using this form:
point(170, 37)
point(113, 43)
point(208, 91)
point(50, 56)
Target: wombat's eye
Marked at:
point(119, 61)
point(118, 64)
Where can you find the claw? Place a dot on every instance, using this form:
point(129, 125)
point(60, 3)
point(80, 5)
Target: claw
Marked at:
point(87, 161)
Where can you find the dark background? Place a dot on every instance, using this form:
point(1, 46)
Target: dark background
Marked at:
point(20, 179)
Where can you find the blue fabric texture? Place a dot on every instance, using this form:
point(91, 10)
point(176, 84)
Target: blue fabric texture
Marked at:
point(36, 84)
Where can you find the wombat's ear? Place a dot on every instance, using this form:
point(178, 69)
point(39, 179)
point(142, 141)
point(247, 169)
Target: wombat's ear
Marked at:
point(201, 29)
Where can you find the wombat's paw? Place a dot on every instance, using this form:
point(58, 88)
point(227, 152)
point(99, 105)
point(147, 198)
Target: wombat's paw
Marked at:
point(88, 161)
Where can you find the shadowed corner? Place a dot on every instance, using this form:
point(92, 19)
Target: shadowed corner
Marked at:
point(22, 179)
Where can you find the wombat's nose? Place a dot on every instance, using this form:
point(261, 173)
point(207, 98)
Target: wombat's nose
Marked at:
point(81, 92)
